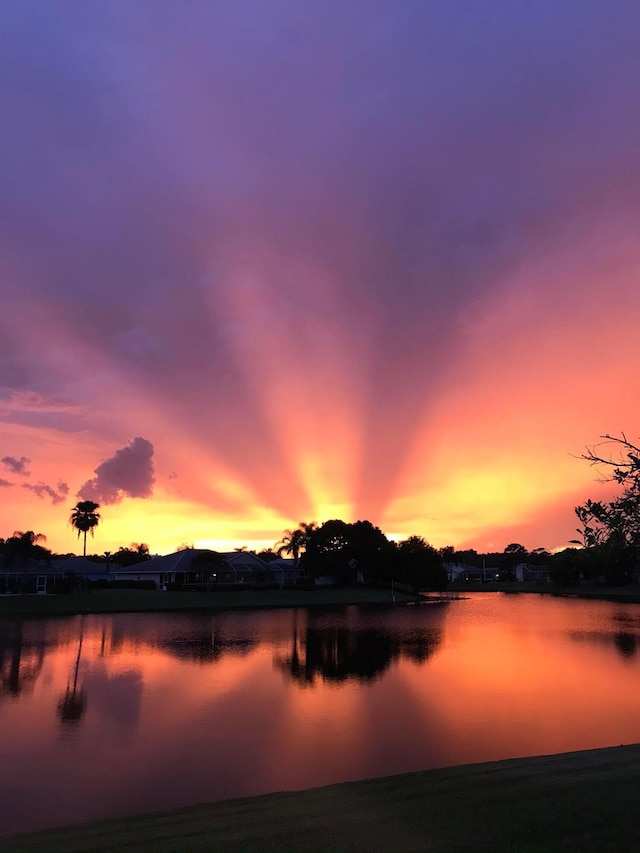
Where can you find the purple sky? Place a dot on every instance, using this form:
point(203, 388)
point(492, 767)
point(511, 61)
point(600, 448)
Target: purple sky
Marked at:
point(269, 239)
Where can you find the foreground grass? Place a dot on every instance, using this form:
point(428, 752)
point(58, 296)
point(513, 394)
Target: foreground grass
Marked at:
point(581, 801)
point(151, 601)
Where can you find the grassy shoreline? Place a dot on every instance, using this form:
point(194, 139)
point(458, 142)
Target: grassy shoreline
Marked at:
point(579, 801)
point(153, 601)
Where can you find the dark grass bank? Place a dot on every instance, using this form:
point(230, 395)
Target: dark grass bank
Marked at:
point(581, 801)
point(153, 601)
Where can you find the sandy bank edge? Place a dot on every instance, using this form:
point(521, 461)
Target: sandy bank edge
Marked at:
point(578, 801)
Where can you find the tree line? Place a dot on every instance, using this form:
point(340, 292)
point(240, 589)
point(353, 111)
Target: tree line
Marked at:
point(359, 552)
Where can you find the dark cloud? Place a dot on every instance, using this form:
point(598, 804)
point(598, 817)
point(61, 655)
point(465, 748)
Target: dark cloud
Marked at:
point(42, 490)
point(128, 473)
point(5, 483)
point(17, 465)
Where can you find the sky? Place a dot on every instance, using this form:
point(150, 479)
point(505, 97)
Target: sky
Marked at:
point(271, 261)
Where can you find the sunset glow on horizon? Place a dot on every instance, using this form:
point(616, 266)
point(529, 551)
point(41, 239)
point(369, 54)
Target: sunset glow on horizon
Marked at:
point(267, 263)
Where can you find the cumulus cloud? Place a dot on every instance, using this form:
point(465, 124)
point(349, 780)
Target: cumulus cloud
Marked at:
point(128, 473)
point(17, 466)
point(43, 490)
point(5, 483)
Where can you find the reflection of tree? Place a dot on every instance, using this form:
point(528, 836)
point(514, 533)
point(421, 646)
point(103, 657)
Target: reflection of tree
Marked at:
point(626, 643)
point(339, 654)
point(73, 704)
point(206, 648)
point(20, 664)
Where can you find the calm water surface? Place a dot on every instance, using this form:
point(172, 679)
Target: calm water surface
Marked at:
point(108, 715)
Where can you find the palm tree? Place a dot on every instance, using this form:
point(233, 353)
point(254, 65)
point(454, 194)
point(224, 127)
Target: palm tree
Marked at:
point(84, 518)
point(294, 541)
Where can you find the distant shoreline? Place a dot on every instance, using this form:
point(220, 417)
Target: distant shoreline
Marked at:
point(629, 594)
point(153, 601)
point(576, 802)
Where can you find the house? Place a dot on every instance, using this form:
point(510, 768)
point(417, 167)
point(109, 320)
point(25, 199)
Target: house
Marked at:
point(19, 576)
point(522, 572)
point(286, 571)
point(195, 567)
point(191, 567)
point(462, 572)
point(527, 572)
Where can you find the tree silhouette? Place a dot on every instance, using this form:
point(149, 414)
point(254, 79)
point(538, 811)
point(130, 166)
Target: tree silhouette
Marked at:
point(84, 518)
point(135, 553)
point(610, 532)
point(22, 547)
point(420, 565)
point(348, 551)
point(295, 541)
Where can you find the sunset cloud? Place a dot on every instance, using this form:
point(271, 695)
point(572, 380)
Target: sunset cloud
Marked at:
point(42, 490)
point(17, 466)
point(128, 473)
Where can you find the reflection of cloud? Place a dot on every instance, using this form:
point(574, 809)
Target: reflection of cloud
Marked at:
point(42, 490)
point(129, 472)
point(17, 466)
point(116, 697)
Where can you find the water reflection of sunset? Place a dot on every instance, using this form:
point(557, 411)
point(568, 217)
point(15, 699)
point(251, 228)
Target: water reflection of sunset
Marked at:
point(184, 708)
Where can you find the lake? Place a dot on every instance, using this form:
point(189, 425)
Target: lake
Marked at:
point(109, 715)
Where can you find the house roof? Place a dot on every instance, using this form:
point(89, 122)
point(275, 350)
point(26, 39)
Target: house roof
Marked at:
point(243, 559)
point(79, 565)
point(32, 567)
point(180, 561)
